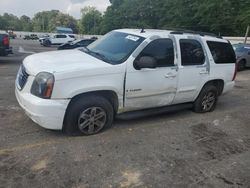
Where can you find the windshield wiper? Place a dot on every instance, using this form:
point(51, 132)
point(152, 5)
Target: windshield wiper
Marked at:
point(84, 49)
point(96, 54)
point(103, 57)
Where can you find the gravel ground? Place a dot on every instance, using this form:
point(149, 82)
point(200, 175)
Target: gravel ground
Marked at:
point(181, 149)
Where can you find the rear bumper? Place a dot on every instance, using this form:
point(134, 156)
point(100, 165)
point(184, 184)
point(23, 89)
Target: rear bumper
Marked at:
point(228, 87)
point(45, 112)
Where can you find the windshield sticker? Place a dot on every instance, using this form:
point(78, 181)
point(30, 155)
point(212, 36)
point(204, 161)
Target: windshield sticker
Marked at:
point(133, 38)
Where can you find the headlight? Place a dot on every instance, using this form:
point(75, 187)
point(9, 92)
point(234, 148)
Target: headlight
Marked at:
point(43, 85)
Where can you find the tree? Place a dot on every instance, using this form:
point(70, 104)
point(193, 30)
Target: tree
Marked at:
point(3, 23)
point(91, 20)
point(26, 23)
point(47, 21)
point(10, 22)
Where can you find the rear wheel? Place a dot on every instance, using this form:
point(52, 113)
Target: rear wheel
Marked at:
point(88, 115)
point(241, 65)
point(207, 99)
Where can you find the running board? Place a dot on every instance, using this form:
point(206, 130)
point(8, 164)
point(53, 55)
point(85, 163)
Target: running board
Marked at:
point(153, 111)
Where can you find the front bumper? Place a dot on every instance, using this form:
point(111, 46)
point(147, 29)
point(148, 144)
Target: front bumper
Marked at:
point(48, 113)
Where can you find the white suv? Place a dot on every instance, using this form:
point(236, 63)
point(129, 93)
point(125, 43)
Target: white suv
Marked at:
point(58, 39)
point(126, 70)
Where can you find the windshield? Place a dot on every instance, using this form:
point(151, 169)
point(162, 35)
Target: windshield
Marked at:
point(115, 47)
point(241, 49)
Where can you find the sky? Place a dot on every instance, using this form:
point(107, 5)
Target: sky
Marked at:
point(31, 7)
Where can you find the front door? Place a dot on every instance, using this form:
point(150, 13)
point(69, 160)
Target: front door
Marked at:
point(155, 87)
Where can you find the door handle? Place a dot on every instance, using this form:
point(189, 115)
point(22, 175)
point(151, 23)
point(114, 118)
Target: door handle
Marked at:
point(170, 75)
point(204, 72)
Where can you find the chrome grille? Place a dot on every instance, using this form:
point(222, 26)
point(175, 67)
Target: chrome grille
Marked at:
point(22, 77)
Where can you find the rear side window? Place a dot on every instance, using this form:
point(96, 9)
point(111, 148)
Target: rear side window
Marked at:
point(191, 52)
point(162, 50)
point(222, 52)
point(61, 36)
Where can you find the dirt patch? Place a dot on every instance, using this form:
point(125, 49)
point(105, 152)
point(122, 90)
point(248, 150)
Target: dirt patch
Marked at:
point(41, 164)
point(214, 143)
point(131, 179)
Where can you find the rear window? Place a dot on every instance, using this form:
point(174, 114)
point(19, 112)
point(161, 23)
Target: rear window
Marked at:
point(222, 52)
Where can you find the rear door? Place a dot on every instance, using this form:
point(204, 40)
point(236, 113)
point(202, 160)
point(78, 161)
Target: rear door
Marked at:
point(193, 68)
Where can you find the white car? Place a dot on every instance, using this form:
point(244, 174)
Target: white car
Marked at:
point(126, 70)
point(58, 39)
point(43, 38)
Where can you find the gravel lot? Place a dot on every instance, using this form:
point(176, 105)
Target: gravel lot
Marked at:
point(181, 149)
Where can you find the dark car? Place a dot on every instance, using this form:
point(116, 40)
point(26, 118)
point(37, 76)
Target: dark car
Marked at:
point(26, 37)
point(242, 52)
point(76, 44)
point(34, 37)
point(5, 48)
point(31, 37)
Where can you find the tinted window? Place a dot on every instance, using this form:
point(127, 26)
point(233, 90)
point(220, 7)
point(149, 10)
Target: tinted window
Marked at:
point(191, 52)
point(162, 50)
point(61, 36)
point(85, 42)
point(222, 52)
point(71, 36)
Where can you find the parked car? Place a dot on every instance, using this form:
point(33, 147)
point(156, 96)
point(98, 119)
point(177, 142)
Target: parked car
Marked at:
point(5, 48)
point(26, 37)
point(58, 39)
point(126, 70)
point(43, 38)
point(242, 52)
point(11, 34)
point(76, 44)
point(31, 37)
point(34, 37)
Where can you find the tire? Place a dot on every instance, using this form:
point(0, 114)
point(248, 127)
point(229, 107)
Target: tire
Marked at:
point(207, 99)
point(241, 65)
point(84, 113)
point(47, 43)
point(3, 53)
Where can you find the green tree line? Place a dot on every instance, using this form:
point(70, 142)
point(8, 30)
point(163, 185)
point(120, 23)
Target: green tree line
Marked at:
point(225, 17)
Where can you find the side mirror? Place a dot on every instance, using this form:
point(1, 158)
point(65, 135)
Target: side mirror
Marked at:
point(145, 62)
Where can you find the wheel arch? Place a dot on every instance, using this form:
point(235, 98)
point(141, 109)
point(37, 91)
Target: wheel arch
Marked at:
point(218, 83)
point(110, 95)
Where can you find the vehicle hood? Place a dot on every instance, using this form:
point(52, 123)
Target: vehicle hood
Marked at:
point(69, 61)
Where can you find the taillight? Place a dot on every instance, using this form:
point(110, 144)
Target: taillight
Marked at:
point(235, 71)
point(6, 41)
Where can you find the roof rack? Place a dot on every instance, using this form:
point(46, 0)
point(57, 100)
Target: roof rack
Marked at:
point(183, 31)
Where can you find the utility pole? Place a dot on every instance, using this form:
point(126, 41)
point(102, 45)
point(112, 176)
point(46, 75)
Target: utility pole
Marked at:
point(247, 32)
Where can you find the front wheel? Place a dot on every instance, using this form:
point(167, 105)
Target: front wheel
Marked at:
point(47, 43)
point(88, 115)
point(207, 99)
